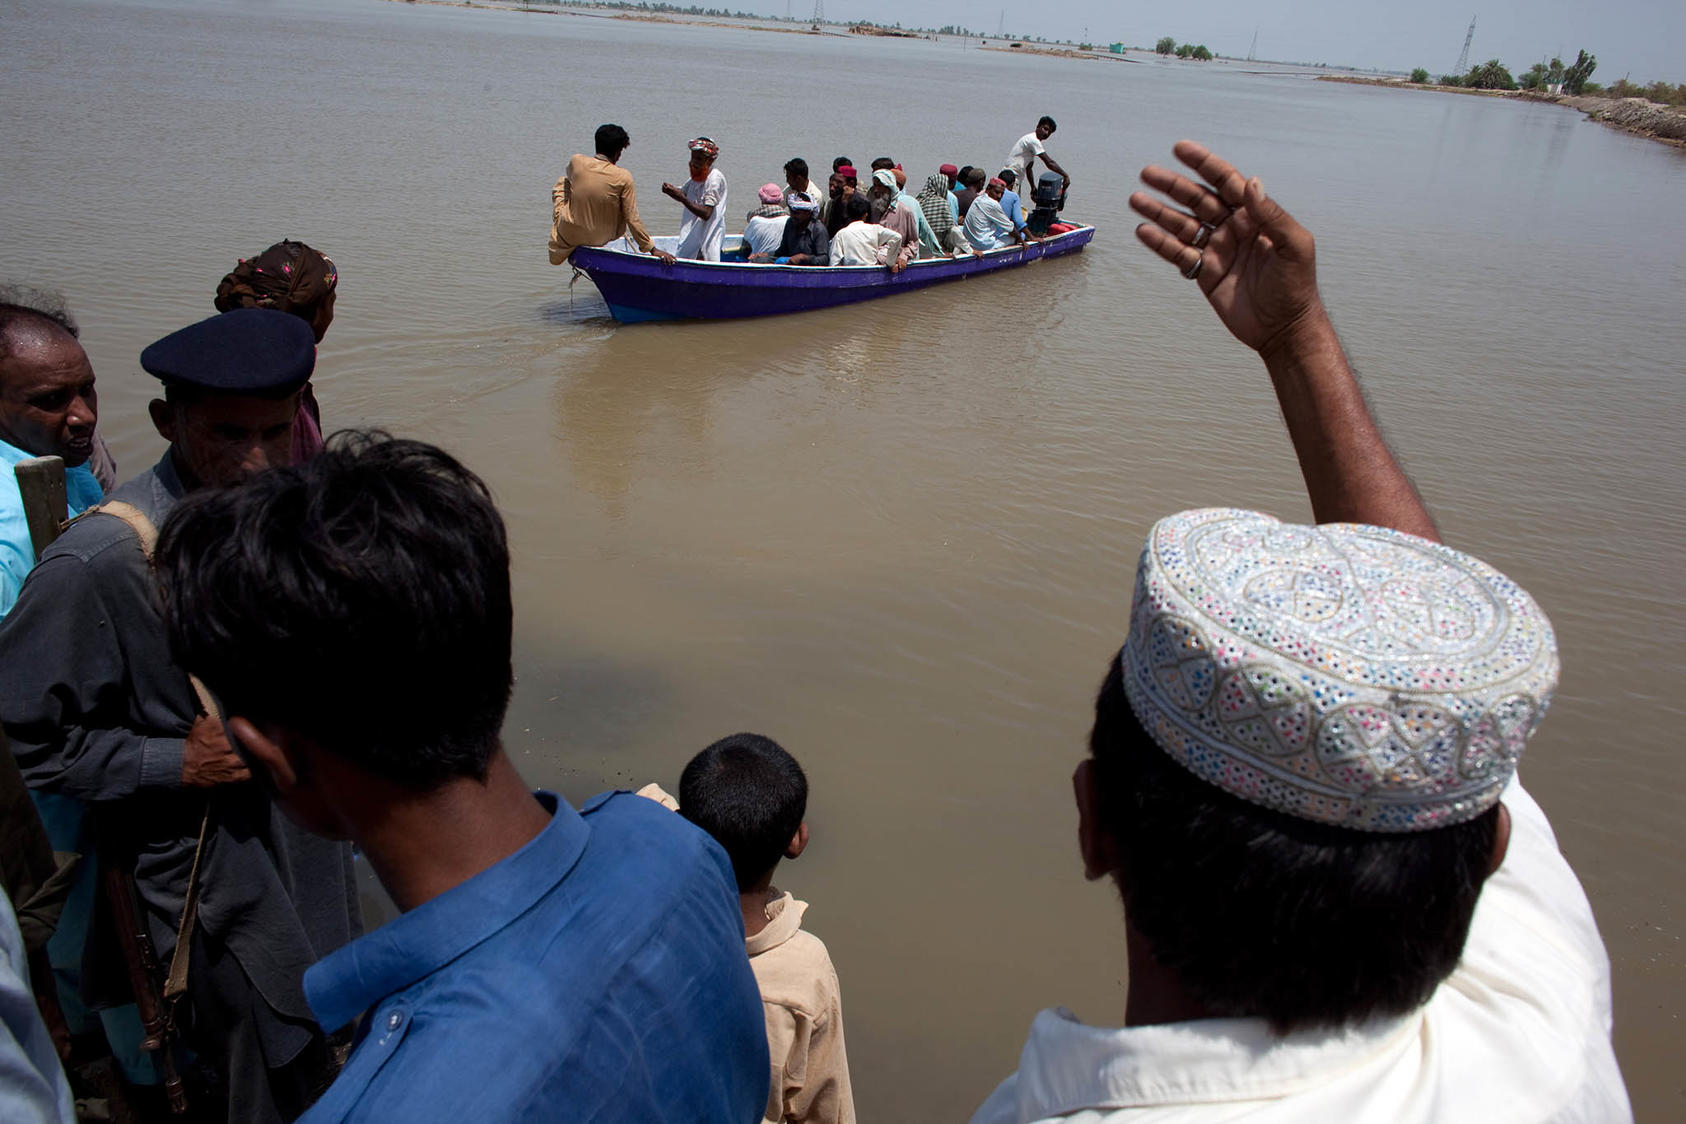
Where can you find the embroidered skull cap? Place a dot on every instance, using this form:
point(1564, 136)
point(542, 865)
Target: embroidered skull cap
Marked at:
point(1341, 673)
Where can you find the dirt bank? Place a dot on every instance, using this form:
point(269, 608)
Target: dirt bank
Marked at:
point(1638, 116)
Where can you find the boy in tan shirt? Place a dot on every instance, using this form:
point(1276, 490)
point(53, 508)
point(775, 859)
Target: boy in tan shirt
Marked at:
point(751, 796)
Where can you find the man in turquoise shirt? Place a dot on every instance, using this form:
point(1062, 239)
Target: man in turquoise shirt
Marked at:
point(47, 408)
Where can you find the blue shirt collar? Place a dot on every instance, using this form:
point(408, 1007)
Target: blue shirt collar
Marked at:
point(405, 950)
point(82, 491)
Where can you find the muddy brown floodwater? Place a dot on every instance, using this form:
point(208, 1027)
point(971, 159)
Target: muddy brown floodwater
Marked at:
point(899, 537)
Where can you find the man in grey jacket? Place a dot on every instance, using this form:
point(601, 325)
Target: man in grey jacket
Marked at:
point(97, 709)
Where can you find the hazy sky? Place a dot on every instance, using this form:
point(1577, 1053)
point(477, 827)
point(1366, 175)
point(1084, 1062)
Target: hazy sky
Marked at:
point(1644, 38)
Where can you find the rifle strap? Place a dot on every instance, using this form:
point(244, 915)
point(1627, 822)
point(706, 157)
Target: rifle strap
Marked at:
point(176, 982)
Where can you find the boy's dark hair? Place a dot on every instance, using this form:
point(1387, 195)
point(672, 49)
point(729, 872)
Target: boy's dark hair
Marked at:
point(975, 178)
point(883, 163)
point(1007, 176)
point(1265, 915)
point(842, 162)
point(750, 795)
point(796, 166)
point(1048, 121)
point(858, 208)
point(360, 599)
point(611, 140)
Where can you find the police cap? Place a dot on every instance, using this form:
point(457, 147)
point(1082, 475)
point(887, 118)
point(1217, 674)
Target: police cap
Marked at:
point(247, 351)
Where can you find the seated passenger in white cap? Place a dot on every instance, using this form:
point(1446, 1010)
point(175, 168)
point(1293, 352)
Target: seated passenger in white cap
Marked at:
point(1340, 904)
point(804, 241)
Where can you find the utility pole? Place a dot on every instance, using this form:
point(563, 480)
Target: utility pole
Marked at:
point(819, 12)
point(1463, 58)
point(1255, 46)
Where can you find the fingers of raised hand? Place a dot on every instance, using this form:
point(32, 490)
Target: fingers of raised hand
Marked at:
point(1229, 184)
point(1173, 250)
point(1178, 224)
point(1197, 197)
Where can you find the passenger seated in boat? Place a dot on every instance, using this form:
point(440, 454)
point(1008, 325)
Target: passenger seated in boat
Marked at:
point(844, 187)
point(594, 202)
point(765, 226)
point(929, 246)
point(971, 186)
point(1010, 201)
point(987, 225)
point(702, 231)
point(889, 211)
point(805, 241)
point(883, 164)
point(796, 179)
point(941, 214)
point(863, 242)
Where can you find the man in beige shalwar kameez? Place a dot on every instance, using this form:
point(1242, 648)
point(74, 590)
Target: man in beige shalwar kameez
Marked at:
point(594, 202)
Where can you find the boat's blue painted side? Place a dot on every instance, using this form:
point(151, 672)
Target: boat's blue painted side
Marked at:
point(638, 287)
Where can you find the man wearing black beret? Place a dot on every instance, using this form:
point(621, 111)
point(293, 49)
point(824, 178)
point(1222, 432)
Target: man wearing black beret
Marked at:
point(97, 709)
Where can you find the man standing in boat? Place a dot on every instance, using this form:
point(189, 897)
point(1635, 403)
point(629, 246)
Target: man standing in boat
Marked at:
point(703, 230)
point(594, 202)
point(1029, 149)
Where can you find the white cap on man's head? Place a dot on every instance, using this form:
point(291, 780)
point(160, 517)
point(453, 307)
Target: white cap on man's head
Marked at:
point(1346, 674)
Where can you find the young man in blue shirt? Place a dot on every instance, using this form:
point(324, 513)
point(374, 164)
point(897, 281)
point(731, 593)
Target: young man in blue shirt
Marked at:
point(353, 617)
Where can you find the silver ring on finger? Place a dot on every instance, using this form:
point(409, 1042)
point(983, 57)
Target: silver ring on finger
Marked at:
point(1203, 236)
point(1193, 271)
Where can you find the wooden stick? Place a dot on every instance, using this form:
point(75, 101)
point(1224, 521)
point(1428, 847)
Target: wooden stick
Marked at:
point(41, 484)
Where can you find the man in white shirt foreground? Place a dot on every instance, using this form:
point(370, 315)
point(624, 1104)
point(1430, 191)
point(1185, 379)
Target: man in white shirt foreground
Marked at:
point(864, 242)
point(1295, 779)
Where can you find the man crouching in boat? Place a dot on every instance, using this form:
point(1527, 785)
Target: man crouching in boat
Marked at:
point(864, 242)
point(805, 241)
point(594, 202)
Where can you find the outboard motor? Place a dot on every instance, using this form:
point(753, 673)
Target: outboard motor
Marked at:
point(1049, 197)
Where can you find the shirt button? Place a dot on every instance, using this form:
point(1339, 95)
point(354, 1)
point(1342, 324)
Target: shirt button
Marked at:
point(393, 1020)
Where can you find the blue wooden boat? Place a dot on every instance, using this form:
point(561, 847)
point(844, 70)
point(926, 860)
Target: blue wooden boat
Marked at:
point(639, 287)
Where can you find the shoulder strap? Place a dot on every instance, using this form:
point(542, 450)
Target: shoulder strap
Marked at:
point(176, 983)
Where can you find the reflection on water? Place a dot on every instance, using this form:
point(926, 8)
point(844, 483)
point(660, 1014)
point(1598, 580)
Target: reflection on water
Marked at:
point(899, 536)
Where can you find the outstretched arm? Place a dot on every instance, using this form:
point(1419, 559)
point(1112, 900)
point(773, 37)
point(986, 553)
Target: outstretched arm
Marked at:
point(1257, 267)
point(1053, 166)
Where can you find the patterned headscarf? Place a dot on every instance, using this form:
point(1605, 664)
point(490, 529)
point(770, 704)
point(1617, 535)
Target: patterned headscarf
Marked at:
point(706, 147)
point(288, 277)
point(933, 200)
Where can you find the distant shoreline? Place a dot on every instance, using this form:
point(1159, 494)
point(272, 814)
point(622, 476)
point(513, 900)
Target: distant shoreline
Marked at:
point(1636, 116)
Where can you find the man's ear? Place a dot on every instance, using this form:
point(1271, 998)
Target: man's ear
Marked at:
point(798, 842)
point(1094, 841)
point(261, 750)
point(163, 419)
point(1501, 841)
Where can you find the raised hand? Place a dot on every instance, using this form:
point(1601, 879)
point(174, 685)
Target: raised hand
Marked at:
point(1255, 264)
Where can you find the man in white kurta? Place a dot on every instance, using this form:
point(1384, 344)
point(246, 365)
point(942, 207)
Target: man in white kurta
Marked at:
point(1340, 903)
point(702, 228)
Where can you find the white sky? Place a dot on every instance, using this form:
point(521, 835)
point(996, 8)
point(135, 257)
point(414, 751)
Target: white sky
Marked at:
point(1645, 39)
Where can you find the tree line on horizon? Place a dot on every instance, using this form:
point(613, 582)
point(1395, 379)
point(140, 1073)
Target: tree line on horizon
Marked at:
point(1169, 46)
point(1573, 78)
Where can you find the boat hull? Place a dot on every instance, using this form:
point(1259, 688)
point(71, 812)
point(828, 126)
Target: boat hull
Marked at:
point(638, 287)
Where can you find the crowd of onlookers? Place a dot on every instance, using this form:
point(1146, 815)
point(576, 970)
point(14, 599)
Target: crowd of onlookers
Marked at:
point(267, 649)
point(851, 221)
